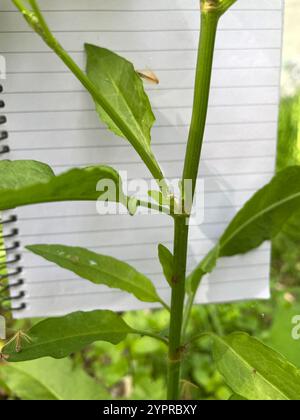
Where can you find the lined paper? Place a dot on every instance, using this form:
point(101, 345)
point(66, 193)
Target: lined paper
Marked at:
point(52, 119)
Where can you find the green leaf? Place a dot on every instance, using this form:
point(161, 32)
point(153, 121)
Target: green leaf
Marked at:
point(59, 337)
point(261, 219)
point(48, 379)
point(31, 182)
point(255, 371)
point(281, 337)
point(207, 265)
point(23, 173)
point(132, 205)
point(166, 260)
point(236, 397)
point(118, 81)
point(123, 91)
point(99, 269)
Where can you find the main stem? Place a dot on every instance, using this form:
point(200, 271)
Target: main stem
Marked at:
point(177, 306)
point(209, 23)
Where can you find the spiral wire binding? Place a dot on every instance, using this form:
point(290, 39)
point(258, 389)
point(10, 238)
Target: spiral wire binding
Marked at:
point(11, 251)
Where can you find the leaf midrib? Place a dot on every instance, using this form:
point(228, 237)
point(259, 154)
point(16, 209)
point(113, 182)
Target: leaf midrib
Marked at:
point(153, 296)
point(252, 219)
point(70, 337)
point(257, 216)
point(144, 139)
point(242, 359)
point(30, 375)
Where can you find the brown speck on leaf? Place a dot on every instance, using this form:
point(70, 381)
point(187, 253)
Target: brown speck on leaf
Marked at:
point(174, 280)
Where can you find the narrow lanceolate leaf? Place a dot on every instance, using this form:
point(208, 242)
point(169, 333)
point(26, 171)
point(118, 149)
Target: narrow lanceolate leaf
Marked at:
point(261, 219)
point(99, 269)
point(31, 182)
point(116, 79)
point(59, 337)
point(123, 90)
point(253, 370)
point(166, 260)
point(48, 379)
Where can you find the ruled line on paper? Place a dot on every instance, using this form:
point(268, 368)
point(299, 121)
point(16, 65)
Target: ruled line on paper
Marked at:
point(212, 239)
point(82, 215)
point(146, 30)
point(157, 108)
point(193, 50)
point(91, 288)
point(229, 273)
point(111, 230)
point(50, 92)
point(164, 161)
point(229, 262)
point(51, 73)
point(213, 223)
point(246, 281)
point(233, 10)
point(157, 275)
point(154, 260)
point(231, 123)
point(127, 146)
point(143, 4)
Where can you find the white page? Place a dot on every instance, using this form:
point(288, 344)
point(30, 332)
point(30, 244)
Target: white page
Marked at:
point(52, 119)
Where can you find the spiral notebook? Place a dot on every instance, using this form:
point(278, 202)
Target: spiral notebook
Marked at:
point(49, 117)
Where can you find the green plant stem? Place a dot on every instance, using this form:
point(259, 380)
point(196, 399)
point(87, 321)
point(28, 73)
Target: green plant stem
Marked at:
point(215, 319)
point(209, 23)
point(20, 5)
point(47, 33)
point(154, 206)
point(200, 337)
point(39, 24)
point(152, 335)
point(177, 306)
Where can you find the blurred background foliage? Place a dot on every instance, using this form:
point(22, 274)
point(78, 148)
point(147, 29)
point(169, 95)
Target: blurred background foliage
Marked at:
point(135, 369)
